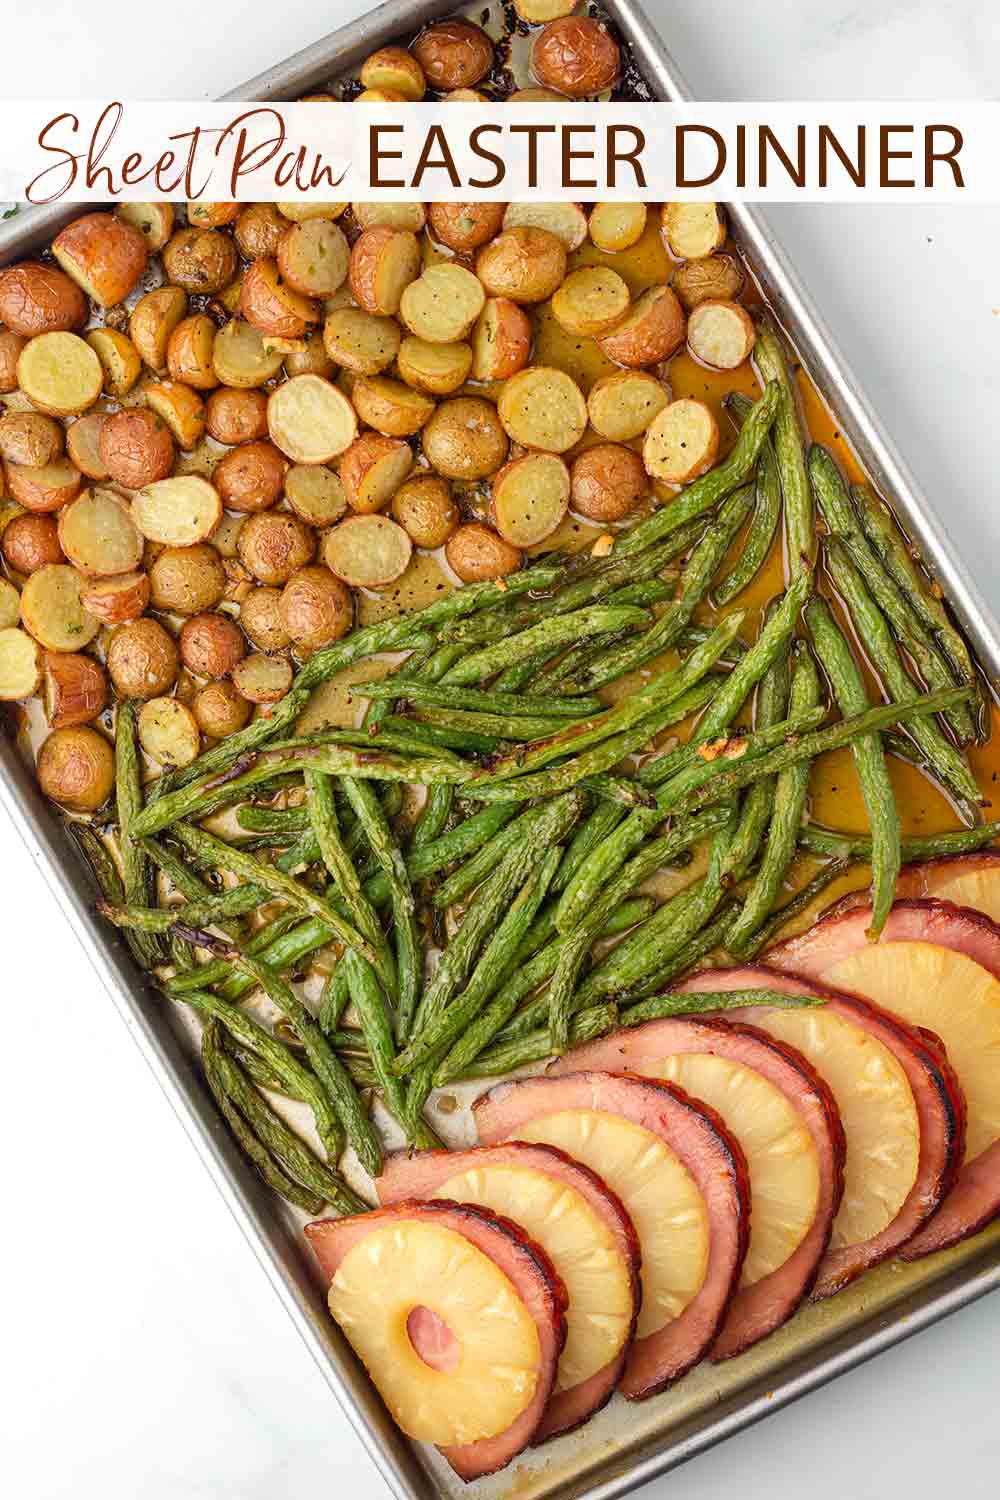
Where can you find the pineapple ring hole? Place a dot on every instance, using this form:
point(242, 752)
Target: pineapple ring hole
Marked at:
point(432, 1339)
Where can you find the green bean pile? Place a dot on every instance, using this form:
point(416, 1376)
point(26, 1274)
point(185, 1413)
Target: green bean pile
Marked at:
point(508, 921)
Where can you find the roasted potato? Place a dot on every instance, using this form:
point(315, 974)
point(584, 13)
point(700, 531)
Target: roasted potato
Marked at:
point(27, 437)
point(543, 408)
point(75, 689)
point(98, 535)
point(465, 226)
point(523, 264)
point(177, 512)
point(31, 542)
point(271, 305)
point(211, 645)
point(142, 660)
point(168, 732)
point(60, 374)
point(250, 477)
point(181, 409)
point(259, 229)
point(76, 768)
point(650, 332)
point(616, 226)
point(681, 442)
point(261, 620)
point(316, 494)
point(622, 405)
point(567, 221)
point(394, 68)
point(577, 56)
point(104, 255)
point(372, 470)
point(538, 12)
point(714, 278)
point(442, 304)
point(311, 357)
point(154, 221)
point(20, 665)
point(315, 608)
point(45, 488)
point(360, 341)
point(367, 551)
point(591, 302)
point(119, 359)
point(136, 447)
point(212, 215)
point(114, 601)
point(187, 580)
point(153, 320)
point(453, 54)
point(721, 334)
point(608, 481)
point(83, 445)
point(10, 605)
point(220, 709)
point(11, 345)
point(233, 416)
point(530, 497)
point(313, 257)
point(477, 554)
point(38, 299)
point(240, 357)
point(438, 369)
point(465, 439)
point(263, 679)
point(692, 230)
point(424, 508)
point(200, 260)
point(189, 352)
point(383, 263)
point(274, 544)
point(501, 341)
point(52, 609)
point(310, 420)
point(392, 408)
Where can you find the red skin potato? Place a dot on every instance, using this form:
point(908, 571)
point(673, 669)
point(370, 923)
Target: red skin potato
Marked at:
point(522, 1261)
point(759, 1309)
point(409, 1175)
point(974, 1200)
point(713, 1158)
point(937, 1093)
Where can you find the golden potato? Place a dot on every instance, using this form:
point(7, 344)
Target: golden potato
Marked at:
point(315, 493)
point(98, 535)
point(104, 254)
point(153, 320)
point(367, 551)
point(591, 301)
point(45, 488)
point(310, 420)
point(608, 481)
point(38, 299)
point(442, 304)
point(465, 226)
point(60, 374)
point(372, 470)
point(250, 477)
point(114, 601)
point(20, 665)
point(11, 345)
point(75, 689)
point(76, 768)
point(259, 229)
point(83, 445)
point(720, 334)
point(274, 544)
point(543, 408)
point(438, 369)
point(392, 408)
point(567, 221)
point(529, 498)
point(714, 278)
point(476, 553)
point(394, 68)
point(181, 409)
point(189, 352)
point(315, 608)
point(622, 405)
point(271, 305)
point(524, 264)
point(313, 257)
point(310, 358)
point(240, 357)
point(31, 542)
point(119, 359)
point(361, 341)
point(577, 56)
point(154, 221)
point(142, 659)
point(212, 215)
point(681, 442)
point(27, 437)
point(220, 709)
point(136, 447)
point(211, 645)
point(383, 263)
point(652, 330)
point(692, 230)
point(263, 679)
point(261, 620)
point(234, 416)
point(465, 439)
point(616, 226)
point(187, 580)
point(453, 54)
point(424, 508)
point(200, 260)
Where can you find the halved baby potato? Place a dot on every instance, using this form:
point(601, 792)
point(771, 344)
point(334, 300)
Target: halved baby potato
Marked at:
point(188, 580)
point(98, 535)
point(383, 263)
point(211, 644)
point(372, 470)
point(310, 420)
point(616, 226)
point(136, 447)
point(46, 487)
point(264, 679)
point(104, 255)
point(142, 659)
point(502, 340)
point(220, 709)
point(154, 221)
point(272, 305)
point(301, 211)
point(721, 334)
point(29, 543)
point(177, 512)
point(394, 68)
point(424, 508)
point(543, 408)
point(567, 221)
point(540, 12)
point(315, 494)
point(83, 444)
point(75, 689)
point(411, 216)
point(202, 261)
point(530, 498)
point(258, 230)
point(315, 608)
point(212, 215)
point(60, 373)
point(313, 257)
point(168, 732)
point(465, 439)
point(477, 554)
point(525, 264)
point(392, 408)
point(714, 278)
point(20, 665)
point(235, 416)
point(442, 304)
point(114, 601)
point(692, 230)
point(608, 481)
point(189, 352)
point(52, 609)
point(274, 544)
point(119, 359)
point(367, 551)
point(436, 368)
point(10, 604)
point(681, 442)
point(153, 320)
point(361, 341)
point(650, 332)
point(622, 405)
point(181, 410)
point(29, 438)
point(465, 226)
point(76, 768)
point(240, 358)
point(591, 301)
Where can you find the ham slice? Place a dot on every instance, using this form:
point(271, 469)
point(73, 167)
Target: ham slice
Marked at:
point(936, 1093)
point(760, 1308)
point(974, 1200)
point(964, 879)
point(423, 1174)
point(525, 1266)
point(713, 1161)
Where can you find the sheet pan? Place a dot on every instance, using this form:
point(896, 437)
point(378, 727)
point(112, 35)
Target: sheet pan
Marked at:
point(625, 1446)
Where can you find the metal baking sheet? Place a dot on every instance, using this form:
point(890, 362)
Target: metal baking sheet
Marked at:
point(625, 1446)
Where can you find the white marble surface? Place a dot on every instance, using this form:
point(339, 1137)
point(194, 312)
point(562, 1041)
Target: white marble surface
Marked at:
point(143, 1351)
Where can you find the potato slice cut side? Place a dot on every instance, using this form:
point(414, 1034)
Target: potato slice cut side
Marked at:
point(367, 551)
point(20, 665)
point(52, 609)
point(98, 535)
point(168, 731)
point(177, 512)
point(530, 498)
point(681, 442)
point(60, 373)
point(310, 420)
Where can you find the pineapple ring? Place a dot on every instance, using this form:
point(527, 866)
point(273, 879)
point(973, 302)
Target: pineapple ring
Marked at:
point(876, 1106)
point(404, 1267)
point(659, 1194)
point(580, 1246)
point(781, 1154)
point(953, 996)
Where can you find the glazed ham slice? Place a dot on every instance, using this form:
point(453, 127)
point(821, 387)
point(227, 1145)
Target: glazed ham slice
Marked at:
point(864, 1047)
point(963, 879)
point(762, 1305)
point(582, 1227)
point(683, 1181)
point(938, 966)
point(418, 1299)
